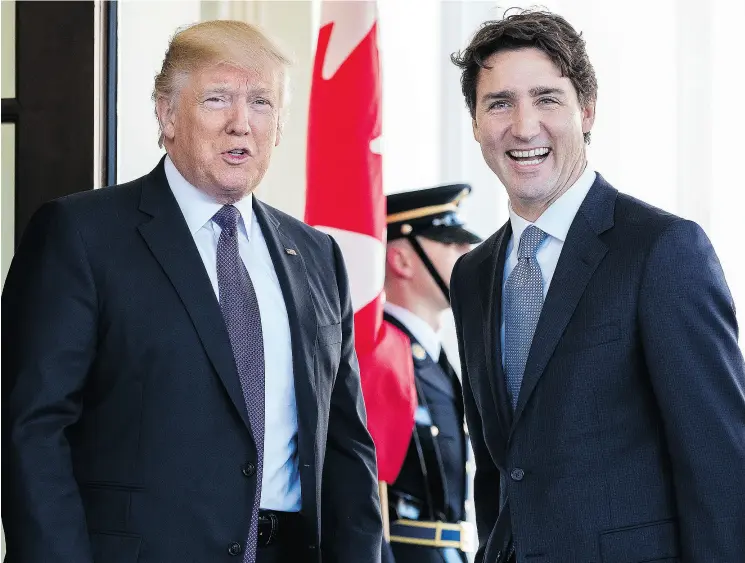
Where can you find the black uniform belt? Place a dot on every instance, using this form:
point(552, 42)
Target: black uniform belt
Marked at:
point(434, 534)
point(279, 527)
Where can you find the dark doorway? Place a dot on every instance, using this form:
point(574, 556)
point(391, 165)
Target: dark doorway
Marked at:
point(56, 93)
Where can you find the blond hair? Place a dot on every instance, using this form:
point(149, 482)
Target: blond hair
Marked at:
point(216, 42)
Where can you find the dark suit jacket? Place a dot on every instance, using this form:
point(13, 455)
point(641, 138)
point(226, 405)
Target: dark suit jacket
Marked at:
point(125, 432)
point(628, 440)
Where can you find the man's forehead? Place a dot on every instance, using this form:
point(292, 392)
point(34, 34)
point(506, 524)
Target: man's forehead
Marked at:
point(521, 70)
point(261, 75)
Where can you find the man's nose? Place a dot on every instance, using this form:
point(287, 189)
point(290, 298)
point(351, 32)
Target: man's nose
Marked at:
point(239, 122)
point(526, 123)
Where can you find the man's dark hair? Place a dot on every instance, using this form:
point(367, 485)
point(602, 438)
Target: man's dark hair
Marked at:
point(522, 29)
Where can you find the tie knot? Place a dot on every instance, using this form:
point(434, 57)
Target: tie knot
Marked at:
point(530, 240)
point(227, 218)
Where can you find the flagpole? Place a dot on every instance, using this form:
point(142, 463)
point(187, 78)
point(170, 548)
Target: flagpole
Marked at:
point(383, 492)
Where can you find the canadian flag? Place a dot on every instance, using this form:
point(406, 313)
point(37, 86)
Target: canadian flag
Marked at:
point(345, 199)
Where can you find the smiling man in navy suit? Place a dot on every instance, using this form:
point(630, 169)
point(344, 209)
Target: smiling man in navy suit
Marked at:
point(179, 375)
point(602, 378)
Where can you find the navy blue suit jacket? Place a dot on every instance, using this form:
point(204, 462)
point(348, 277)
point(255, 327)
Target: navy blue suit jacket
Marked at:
point(628, 440)
point(125, 432)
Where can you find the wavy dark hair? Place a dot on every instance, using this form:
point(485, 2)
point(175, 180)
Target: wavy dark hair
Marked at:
point(520, 29)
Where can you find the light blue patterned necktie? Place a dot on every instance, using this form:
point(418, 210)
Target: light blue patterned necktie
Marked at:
point(240, 308)
point(523, 301)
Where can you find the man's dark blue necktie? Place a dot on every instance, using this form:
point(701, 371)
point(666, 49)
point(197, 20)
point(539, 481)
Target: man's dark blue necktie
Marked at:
point(240, 308)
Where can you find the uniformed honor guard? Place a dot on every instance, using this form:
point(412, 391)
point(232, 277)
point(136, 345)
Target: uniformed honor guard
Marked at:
point(426, 503)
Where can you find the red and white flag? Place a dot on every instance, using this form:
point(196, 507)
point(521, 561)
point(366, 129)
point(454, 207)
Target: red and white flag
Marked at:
point(345, 199)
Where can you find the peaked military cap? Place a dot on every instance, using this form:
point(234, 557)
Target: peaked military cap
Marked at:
point(431, 213)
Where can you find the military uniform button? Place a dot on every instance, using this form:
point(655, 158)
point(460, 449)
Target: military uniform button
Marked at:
point(417, 350)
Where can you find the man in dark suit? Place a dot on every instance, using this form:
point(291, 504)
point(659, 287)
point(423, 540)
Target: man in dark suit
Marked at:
point(426, 235)
point(603, 383)
point(179, 376)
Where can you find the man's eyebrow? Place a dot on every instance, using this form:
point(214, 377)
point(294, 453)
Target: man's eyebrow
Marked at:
point(261, 90)
point(545, 90)
point(501, 95)
point(218, 89)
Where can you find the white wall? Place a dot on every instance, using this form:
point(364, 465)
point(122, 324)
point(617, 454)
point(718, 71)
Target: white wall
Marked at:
point(144, 31)
point(727, 187)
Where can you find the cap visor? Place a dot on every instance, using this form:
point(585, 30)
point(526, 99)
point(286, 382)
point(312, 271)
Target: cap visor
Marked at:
point(451, 235)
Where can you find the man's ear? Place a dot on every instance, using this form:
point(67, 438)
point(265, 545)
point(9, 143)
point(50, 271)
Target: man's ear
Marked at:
point(398, 260)
point(476, 132)
point(280, 129)
point(165, 109)
point(588, 117)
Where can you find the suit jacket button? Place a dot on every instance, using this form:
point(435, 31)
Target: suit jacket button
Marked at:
point(235, 548)
point(249, 470)
point(517, 474)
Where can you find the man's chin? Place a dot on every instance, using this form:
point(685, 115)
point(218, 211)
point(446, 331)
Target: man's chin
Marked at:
point(229, 193)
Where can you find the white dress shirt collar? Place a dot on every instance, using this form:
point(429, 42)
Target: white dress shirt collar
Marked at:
point(557, 219)
point(198, 207)
point(423, 333)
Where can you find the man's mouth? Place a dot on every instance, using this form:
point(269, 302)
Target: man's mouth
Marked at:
point(529, 157)
point(236, 156)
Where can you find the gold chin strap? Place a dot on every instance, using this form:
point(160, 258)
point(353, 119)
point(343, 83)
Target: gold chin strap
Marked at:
point(383, 492)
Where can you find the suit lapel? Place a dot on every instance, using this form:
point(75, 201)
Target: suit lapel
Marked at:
point(168, 237)
point(582, 253)
point(289, 265)
point(491, 274)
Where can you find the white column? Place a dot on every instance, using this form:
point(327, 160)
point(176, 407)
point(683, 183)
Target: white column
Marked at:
point(409, 39)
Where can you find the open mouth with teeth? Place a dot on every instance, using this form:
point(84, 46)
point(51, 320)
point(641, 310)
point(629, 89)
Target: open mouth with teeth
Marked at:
point(529, 157)
point(238, 152)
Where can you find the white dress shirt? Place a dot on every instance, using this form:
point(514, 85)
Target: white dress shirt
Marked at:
point(555, 222)
point(424, 334)
point(280, 489)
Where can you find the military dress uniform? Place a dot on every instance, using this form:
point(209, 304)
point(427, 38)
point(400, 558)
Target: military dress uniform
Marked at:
point(431, 488)
point(426, 503)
